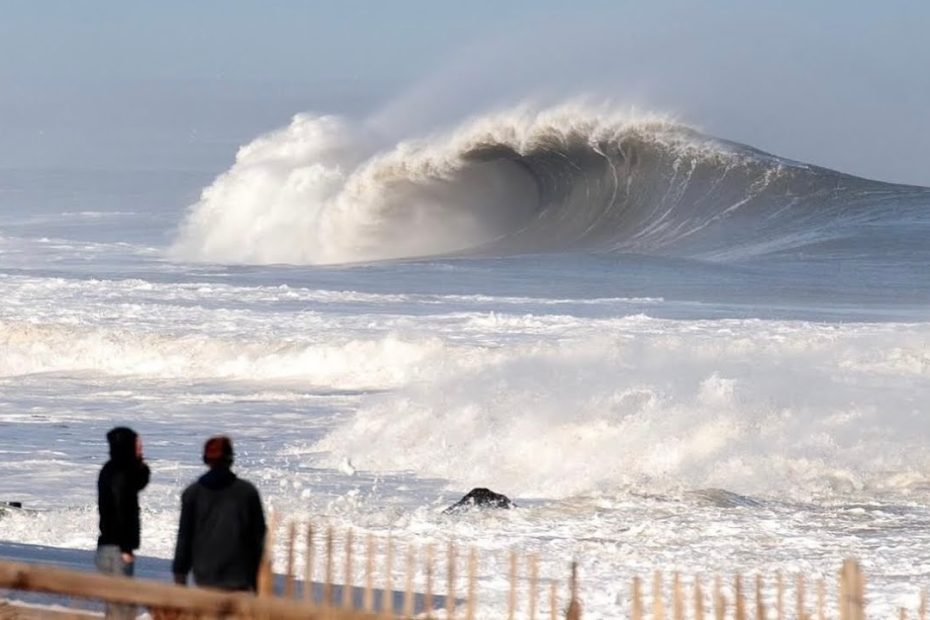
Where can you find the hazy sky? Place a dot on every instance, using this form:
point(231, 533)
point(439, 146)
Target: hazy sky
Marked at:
point(181, 83)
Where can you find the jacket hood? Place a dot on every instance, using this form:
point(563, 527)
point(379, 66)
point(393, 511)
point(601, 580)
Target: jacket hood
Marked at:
point(122, 442)
point(217, 478)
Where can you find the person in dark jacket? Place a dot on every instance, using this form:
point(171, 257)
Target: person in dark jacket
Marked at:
point(118, 486)
point(221, 535)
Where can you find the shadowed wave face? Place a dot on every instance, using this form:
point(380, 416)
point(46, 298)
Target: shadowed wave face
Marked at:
point(567, 179)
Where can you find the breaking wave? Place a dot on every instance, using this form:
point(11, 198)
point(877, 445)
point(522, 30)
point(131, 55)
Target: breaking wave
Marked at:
point(787, 410)
point(562, 179)
point(351, 364)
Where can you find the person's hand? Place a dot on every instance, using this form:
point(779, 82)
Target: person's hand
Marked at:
point(127, 558)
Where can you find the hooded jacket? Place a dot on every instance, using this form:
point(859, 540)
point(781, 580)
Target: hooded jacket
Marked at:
point(221, 535)
point(118, 486)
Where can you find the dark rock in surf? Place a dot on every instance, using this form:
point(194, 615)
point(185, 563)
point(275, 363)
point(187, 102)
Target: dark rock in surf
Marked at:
point(4, 507)
point(482, 499)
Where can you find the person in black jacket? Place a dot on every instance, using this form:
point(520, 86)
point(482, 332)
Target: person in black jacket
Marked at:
point(221, 535)
point(118, 486)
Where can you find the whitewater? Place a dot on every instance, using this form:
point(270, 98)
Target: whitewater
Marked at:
point(670, 349)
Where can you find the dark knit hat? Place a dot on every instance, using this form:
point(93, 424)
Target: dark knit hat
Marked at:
point(218, 450)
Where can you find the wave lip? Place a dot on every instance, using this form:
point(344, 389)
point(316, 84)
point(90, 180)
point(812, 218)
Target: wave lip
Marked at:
point(569, 178)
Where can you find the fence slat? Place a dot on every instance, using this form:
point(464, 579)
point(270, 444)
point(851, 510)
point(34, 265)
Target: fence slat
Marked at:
point(637, 601)
point(429, 581)
point(472, 583)
point(328, 584)
point(387, 602)
point(799, 598)
point(289, 575)
point(533, 586)
point(678, 602)
point(368, 601)
point(720, 603)
point(738, 600)
point(347, 572)
point(574, 605)
point(553, 602)
point(698, 599)
point(265, 575)
point(408, 590)
point(658, 605)
point(760, 604)
point(450, 581)
point(308, 566)
point(821, 600)
point(779, 596)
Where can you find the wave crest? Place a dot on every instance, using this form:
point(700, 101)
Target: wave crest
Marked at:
point(565, 178)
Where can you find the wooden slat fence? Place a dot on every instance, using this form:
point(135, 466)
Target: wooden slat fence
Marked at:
point(310, 589)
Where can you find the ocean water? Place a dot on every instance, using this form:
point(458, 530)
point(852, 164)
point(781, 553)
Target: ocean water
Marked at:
point(670, 350)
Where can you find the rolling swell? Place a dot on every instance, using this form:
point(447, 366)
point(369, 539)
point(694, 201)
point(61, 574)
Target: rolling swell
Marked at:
point(565, 179)
point(696, 197)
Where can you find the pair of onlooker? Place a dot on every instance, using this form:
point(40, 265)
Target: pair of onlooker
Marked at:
point(221, 534)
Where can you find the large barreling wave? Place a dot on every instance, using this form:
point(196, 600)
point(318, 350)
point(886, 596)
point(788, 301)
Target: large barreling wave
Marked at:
point(560, 179)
